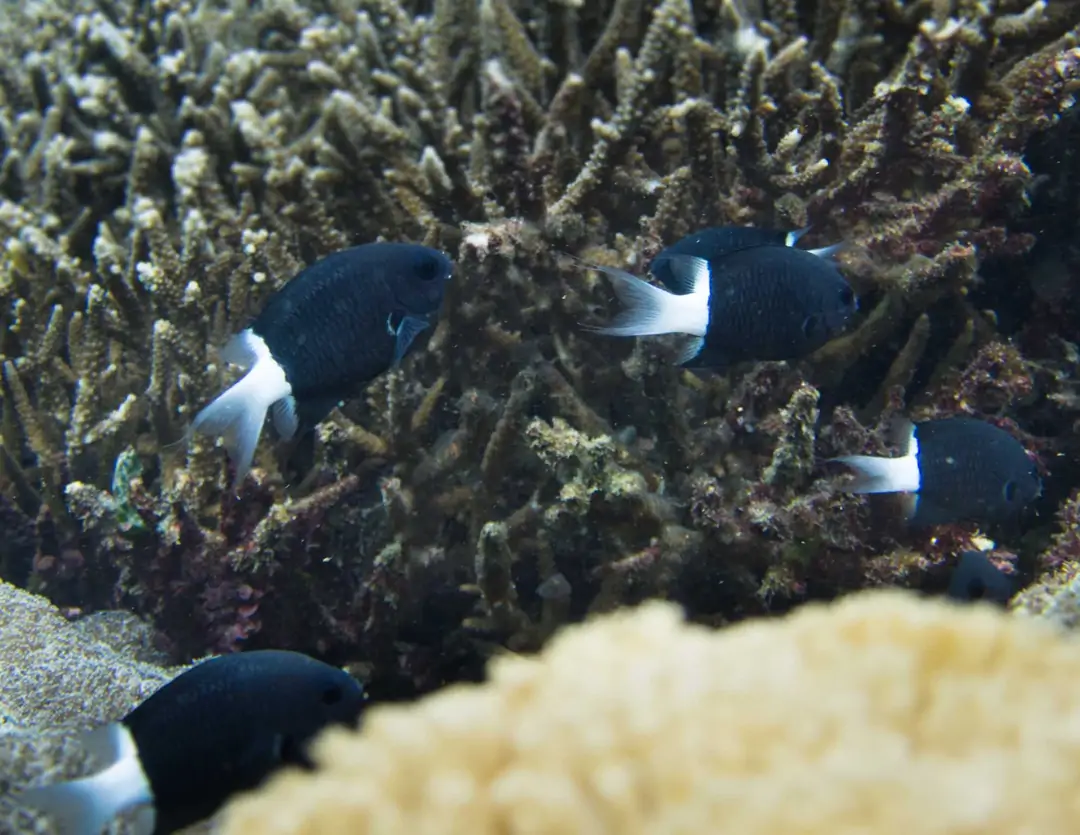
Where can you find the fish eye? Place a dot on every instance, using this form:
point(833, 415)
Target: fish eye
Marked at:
point(332, 695)
point(976, 589)
point(847, 296)
point(428, 269)
point(1009, 491)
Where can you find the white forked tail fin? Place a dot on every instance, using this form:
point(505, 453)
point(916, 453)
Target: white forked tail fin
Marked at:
point(652, 310)
point(881, 475)
point(238, 414)
point(86, 806)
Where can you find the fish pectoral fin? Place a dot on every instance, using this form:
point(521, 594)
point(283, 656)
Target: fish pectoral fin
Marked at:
point(283, 413)
point(294, 752)
point(407, 330)
point(311, 411)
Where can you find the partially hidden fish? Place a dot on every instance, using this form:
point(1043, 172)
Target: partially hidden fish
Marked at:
point(217, 729)
point(954, 469)
point(718, 241)
point(976, 578)
point(334, 327)
point(762, 302)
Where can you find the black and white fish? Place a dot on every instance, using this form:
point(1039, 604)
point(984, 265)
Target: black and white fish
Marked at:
point(764, 302)
point(334, 327)
point(976, 578)
point(955, 470)
point(217, 729)
point(718, 241)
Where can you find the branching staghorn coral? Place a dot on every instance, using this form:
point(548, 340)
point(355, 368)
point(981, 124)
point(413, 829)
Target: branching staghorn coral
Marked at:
point(165, 167)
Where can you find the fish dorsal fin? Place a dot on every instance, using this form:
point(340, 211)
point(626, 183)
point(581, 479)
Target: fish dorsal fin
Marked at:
point(284, 414)
point(794, 235)
point(901, 434)
point(407, 331)
point(689, 275)
point(822, 251)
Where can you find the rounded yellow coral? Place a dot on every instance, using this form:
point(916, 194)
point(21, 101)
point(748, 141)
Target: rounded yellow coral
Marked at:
point(882, 713)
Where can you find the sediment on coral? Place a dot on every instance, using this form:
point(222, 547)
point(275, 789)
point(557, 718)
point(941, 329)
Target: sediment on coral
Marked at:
point(167, 166)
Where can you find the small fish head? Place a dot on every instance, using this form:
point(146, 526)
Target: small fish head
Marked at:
point(835, 307)
point(1021, 489)
point(341, 700)
point(421, 281)
point(324, 697)
point(300, 695)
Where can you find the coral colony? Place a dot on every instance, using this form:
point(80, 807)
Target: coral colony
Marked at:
point(165, 168)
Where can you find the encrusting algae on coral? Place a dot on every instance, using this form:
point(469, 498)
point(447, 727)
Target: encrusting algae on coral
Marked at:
point(880, 714)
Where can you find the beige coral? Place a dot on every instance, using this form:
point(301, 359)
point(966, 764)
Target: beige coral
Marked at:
point(882, 713)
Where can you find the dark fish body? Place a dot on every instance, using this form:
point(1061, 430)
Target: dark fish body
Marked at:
point(971, 471)
point(742, 293)
point(976, 578)
point(773, 303)
point(337, 325)
point(956, 470)
point(716, 242)
point(334, 326)
point(219, 728)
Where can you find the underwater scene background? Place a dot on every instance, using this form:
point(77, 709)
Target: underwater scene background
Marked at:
point(167, 165)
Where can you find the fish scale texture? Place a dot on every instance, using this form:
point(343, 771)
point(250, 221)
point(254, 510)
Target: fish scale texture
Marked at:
point(880, 714)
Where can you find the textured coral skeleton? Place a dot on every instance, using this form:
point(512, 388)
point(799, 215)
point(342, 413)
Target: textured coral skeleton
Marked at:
point(165, 166)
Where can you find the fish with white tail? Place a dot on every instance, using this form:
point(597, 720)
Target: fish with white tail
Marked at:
point(220, 728)
point(333, 328)
point(740, 293)
point(953, 470)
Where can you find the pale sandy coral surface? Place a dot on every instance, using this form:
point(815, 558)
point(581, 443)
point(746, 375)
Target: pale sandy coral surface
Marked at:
point(57, 679)
point(880, 714)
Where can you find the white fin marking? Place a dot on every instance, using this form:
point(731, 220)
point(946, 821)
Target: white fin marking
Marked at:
point(237, 415)
point(238, 350)
point(821, 252)
point(882, 475)
point(85, 806)
point(690, 350)
point(901, 433)
point(285, 420)
point(793, 236)
point(652, 310)
point(828, 251)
